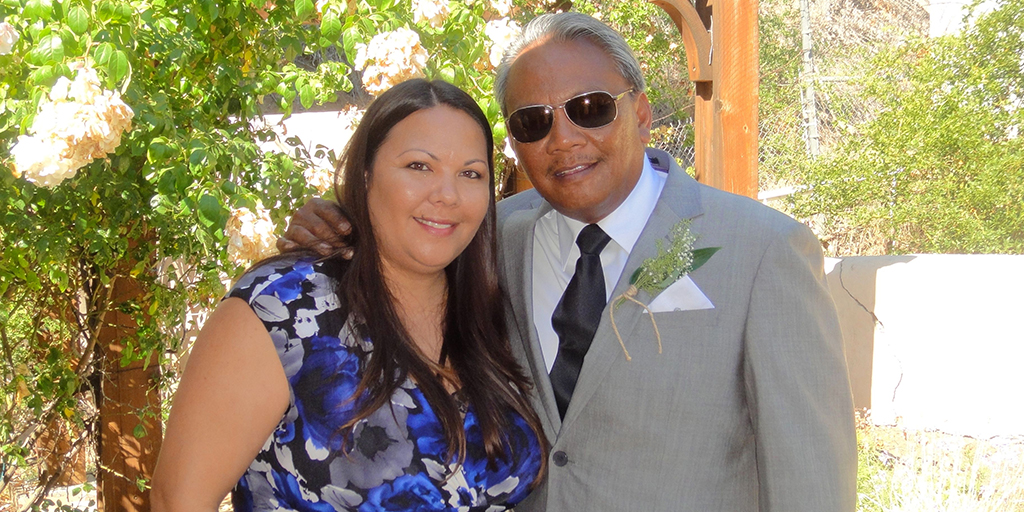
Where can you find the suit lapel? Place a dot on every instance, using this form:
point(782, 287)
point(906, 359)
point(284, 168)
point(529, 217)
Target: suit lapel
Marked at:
point(680, 199)
point(517, 237)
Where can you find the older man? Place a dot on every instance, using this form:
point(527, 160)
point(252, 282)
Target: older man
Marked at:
point(733, 395)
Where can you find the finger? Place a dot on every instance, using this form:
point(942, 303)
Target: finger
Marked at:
point(284, 245)
point(331, 216)
point(300, 237)
point(309, 229)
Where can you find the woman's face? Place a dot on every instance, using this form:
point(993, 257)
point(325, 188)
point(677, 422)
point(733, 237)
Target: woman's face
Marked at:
point(429, 190)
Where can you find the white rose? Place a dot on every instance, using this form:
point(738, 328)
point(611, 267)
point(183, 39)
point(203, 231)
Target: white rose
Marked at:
point(39, 160)
point(250, 235)
point(79, 123)
point(432, 11)
point(320, 178)
point(392, 57)
point(59, 91)
point(8, 36)
point(502, 7)
point(501, 33)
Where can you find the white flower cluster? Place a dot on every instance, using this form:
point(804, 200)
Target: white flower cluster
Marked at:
point(390, 58)
point(431, 11)
point(8, 36)
point(321, 175)
point(80, 122)
point(320, 178)
point(250, 235)
point(501, 33)
point(502, 7)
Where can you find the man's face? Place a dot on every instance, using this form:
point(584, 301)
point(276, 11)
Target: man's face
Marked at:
point(585, 173)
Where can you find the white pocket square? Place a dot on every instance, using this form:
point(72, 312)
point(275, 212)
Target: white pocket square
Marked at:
point(682, 295)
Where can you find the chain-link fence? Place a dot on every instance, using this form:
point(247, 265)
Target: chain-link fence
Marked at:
point(809, 100)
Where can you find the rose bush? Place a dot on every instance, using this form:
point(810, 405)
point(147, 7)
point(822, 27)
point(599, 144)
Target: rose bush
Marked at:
point(130, 141)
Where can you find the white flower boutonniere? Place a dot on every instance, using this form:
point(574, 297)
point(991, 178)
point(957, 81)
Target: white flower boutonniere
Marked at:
point(657, 273)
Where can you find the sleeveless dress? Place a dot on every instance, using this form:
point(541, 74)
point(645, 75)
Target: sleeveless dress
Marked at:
point(395, 458)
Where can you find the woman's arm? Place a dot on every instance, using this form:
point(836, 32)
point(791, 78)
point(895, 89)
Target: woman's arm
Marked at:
point(231, 397)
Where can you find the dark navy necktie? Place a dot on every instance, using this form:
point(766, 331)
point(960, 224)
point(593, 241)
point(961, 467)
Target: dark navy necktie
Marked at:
point(578, 313)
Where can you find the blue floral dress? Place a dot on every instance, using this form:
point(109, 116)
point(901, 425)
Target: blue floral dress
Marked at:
point(396, 457)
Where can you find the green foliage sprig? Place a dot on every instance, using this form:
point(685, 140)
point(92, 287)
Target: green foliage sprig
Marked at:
point(658, 272)
point(671, 263)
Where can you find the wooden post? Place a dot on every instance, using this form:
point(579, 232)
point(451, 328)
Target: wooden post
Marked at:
point(726, 95)
point(126, 461)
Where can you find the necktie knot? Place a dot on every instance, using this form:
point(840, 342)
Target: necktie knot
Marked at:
point(592, 239)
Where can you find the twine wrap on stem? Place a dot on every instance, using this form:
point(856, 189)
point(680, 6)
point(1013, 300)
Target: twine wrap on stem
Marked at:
point(629, 295)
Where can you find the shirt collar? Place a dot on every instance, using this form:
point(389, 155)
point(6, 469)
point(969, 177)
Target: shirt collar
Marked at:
point(623, 225)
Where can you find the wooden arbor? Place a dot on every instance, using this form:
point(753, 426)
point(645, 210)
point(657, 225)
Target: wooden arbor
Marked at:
point(723, 64)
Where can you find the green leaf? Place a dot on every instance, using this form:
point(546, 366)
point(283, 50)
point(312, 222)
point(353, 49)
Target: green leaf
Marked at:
point(305, 93)
point(350, 40)
point(635, 275)
point(38, 9)
point(101, 55)
point(448, 74)
point(157, 152)
point(701, 256)
point(50, 50)
point(60, 277)
point(43, 75)
point(303, 8)
point(117, 66)
point(212, 9)
point(209, 208)
point(197, 157)
point(139, 431)
point(331, 27)
point(78, 20)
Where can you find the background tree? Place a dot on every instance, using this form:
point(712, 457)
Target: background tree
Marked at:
point(940, 166)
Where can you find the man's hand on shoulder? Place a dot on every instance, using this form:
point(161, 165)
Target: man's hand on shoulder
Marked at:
point(318, 226)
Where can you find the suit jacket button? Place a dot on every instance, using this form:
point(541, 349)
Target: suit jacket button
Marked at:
point(560, 458)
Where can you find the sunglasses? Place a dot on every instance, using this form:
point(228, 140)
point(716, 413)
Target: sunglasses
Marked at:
point(588, 110)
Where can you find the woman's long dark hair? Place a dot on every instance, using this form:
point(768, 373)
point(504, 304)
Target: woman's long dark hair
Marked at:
point(475, 335)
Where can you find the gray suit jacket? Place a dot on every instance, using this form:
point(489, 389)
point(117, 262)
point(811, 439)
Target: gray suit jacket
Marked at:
point(749, 406)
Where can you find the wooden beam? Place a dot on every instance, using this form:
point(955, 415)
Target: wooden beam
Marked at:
point(696, 39)
point(126, 461)
point(735, 43)
point(725, 107)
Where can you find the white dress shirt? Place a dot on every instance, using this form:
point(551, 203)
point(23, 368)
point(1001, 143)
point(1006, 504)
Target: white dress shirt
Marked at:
point(555, 251)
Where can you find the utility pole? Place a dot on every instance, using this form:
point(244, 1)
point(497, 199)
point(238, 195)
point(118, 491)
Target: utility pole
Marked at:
point(808, 103)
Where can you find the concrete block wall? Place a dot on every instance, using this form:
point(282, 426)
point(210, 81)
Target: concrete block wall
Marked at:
point(935, 341)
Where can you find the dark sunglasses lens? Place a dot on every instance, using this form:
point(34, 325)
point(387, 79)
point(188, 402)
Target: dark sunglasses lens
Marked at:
point(592, 110)
point(530, 124)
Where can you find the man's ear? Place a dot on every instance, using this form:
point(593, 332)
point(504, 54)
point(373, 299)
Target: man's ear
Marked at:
point(644, 117)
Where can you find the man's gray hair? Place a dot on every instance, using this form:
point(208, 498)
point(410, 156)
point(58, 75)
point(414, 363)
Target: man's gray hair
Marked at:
point(570, 26)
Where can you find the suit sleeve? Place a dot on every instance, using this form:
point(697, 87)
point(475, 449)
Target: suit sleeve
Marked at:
point(797, 383)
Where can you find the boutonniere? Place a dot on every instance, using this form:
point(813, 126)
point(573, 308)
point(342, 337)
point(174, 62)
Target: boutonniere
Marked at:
point(657, 273)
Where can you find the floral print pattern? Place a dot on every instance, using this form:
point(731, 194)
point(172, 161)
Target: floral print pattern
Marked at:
point(394, 460)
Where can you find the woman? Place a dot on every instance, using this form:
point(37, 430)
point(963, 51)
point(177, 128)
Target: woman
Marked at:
point(384, 383)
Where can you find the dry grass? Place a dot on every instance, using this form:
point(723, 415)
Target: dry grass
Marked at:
point(909, 471)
